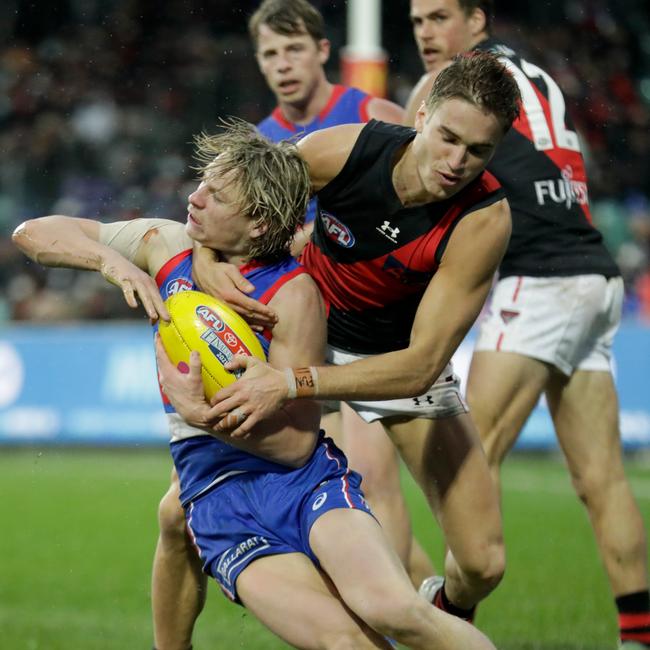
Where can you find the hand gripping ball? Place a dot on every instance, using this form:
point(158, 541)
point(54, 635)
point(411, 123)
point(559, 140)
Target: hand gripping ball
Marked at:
point(205, 324)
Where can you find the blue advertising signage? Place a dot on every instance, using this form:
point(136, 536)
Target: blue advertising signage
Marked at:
point(96, 384)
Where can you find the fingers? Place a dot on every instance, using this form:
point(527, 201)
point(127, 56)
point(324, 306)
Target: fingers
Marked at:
point(251, 309)
point(241, 362)
point(231, 420)
point(222, 404)
point(239, 280)
point(237, 423)
point(129, 295)
point(147, 291)
point(164, 362)
point(195, 363)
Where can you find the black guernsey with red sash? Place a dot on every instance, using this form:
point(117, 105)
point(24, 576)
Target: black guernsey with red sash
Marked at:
point(373, 258)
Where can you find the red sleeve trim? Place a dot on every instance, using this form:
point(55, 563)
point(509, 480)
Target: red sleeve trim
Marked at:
point(266, 297)
point(167, 267)
point(364, 116)
point(337, 91)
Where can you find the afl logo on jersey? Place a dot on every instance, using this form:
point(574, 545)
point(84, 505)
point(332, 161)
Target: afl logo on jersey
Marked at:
point(209, 318)
point(177, 285)
point(338, 232)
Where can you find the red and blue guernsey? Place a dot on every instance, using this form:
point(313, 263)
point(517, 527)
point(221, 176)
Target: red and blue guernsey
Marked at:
point(203, 461)
point(345, 106)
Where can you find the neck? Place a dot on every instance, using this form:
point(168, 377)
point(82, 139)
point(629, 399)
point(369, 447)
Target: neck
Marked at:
point(406, 180)
point(483, 36)
point(307, 111)
point(198, 270)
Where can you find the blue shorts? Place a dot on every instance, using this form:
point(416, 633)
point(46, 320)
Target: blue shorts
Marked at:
point(256, 514)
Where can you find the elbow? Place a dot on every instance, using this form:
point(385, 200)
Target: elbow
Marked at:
point(427, 374)
point(421, 384)
point(21, 237)
point(25, 238)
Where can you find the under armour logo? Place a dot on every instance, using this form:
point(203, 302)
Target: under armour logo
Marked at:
point(427, 400)
point(388, 231)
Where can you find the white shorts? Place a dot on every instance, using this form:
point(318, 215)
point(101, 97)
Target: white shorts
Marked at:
point(442, 400)
point(568, 322)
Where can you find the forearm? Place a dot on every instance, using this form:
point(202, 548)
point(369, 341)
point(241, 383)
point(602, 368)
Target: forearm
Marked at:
point(61, 241)
point(287, 437)
point(393, 375)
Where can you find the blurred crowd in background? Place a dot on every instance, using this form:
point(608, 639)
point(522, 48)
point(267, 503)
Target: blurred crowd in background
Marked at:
point(99, 100)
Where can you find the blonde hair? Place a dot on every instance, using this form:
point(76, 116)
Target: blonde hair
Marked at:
point(272, 182)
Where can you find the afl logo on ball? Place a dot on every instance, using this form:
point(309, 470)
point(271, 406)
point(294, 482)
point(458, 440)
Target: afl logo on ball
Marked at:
point(338, 232)
point(209, 318)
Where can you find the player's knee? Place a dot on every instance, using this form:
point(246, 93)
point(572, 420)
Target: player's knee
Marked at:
point(496, 439)
point(592, 485)
point(487, 567)
point(399, 617)
point(171, 517)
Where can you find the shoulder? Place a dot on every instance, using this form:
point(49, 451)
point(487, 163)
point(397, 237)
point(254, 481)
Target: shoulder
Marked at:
point(298, 298)
point(300, 334)
point(327, 150)
point(384, 110)
point(488, 223)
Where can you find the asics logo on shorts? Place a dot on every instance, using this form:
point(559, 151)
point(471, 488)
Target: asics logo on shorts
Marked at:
point(320, 500)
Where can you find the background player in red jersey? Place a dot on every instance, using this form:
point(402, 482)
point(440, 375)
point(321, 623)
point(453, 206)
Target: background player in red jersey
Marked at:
point(554, 310)
point(409, 234)
point(291, 49)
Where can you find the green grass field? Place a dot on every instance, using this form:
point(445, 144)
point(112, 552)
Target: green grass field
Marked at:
point(79, 529)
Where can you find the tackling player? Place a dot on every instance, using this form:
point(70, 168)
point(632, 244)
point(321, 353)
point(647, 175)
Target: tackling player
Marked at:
point(409, 234)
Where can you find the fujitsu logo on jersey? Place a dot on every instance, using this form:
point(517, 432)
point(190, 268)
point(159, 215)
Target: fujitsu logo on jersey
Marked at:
point(562, 190)
point(337, 231)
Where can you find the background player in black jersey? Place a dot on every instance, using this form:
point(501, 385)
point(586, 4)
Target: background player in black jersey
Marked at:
point(554, 310)
point(409, 234)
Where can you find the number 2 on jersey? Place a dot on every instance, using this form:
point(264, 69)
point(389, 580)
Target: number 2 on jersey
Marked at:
point(539, 127)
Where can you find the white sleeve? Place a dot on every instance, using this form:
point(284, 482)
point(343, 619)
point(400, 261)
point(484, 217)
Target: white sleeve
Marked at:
point(126, 236)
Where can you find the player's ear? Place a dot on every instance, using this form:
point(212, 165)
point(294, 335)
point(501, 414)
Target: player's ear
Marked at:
point(324, 48)
point(477, 21)
point(420, 117)
point(257, 229)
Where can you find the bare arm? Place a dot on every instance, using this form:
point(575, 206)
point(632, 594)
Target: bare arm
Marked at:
point(447, 310)
point(58, 240)
point(327, 150)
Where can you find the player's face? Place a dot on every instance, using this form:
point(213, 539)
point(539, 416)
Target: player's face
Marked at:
point(455, 142)
point(292, 65)
point(442, 30)
point(214, 218)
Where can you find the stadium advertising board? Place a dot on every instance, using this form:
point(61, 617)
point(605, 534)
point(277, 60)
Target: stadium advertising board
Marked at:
point(96, 384)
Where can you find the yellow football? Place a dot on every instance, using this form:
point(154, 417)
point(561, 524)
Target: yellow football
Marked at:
point(217, 332)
